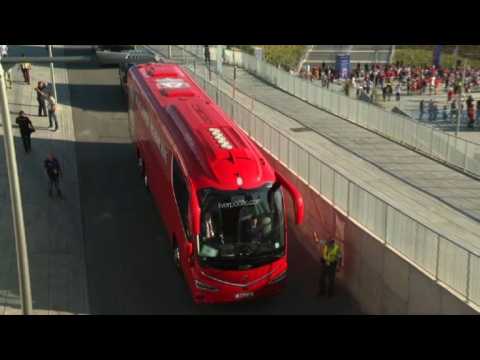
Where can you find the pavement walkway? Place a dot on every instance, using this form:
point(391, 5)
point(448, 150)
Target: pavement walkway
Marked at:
point(53, 226)
point(435, 195)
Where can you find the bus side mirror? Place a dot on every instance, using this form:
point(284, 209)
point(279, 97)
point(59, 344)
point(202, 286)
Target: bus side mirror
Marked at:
point(296, 197)
point(189, 248)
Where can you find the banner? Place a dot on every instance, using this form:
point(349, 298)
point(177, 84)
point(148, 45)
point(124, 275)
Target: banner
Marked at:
point(343, 66)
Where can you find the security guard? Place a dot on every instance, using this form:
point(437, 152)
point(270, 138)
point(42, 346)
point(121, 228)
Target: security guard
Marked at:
point(331, 261)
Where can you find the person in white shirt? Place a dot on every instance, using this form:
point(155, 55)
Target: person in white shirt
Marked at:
point(3, 50)
point(52, 112)
point(8, 75)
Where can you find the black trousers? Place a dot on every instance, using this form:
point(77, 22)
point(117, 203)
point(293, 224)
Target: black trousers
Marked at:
point(42, 107)
point(54, 182)
point(327, 279)
point(27, 143)
point(26, 75)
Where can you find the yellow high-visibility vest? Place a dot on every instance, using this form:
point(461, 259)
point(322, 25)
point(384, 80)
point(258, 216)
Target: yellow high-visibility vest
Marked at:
point(331, 254)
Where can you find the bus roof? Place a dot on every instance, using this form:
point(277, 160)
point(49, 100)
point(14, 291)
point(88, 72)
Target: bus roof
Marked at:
point(213, 150)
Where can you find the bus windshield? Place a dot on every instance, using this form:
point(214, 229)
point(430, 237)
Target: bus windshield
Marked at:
point(242, 229)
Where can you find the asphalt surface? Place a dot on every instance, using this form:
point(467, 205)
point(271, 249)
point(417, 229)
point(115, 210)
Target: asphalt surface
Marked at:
point(129, 263)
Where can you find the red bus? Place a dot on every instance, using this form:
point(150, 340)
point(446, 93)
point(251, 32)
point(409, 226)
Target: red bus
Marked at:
point(220, 200)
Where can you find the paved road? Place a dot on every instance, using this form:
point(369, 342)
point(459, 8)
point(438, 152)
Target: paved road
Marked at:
point(129, 267)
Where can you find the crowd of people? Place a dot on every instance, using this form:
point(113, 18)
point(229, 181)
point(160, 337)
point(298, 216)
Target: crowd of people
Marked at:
point(396, 80)
point(415, 80)
point(451, 110)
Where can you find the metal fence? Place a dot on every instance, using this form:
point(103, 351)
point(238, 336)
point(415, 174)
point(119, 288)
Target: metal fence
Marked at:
point(447, 262)
point(450, 149)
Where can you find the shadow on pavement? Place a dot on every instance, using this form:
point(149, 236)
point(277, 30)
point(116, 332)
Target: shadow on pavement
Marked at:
point(128, 258)
point(93, 97)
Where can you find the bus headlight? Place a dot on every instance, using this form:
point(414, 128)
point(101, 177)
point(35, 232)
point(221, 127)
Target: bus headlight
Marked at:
point(278, 279)
point(202, 286)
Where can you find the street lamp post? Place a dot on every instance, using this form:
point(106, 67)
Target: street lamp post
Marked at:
point(16, 199)
point(52, 72)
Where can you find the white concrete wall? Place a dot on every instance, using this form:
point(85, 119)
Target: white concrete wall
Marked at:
point(380, 280)
point(384, 283)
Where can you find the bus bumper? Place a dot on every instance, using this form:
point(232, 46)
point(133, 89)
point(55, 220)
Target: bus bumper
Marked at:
point(234, 295)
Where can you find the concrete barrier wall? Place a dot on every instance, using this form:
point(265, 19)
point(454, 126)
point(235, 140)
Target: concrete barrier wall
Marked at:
point(381, 281)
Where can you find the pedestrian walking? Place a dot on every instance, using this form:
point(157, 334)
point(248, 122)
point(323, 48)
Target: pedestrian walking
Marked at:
point(41, 98)
point(26, 67)
point(347, 88)
point(471, 116)
point(52, 112)
point(389, 92)
point(54, 172)
point(3, 50)
point(453, 111)
point(397, 92)
point(331, 262)
point(422, 108)
point(477, 118)
point(207, 55)
point(434, 112)
point(8, 74)
point(470, 101)
point(450, 94)
point(430, 110)
point(26, 130)
point(445, 114)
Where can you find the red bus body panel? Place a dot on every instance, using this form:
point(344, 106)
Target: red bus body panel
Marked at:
point(171, 117)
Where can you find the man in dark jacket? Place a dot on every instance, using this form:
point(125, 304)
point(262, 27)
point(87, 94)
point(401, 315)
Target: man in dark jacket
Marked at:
point(54, 172)
point(41, 98)
point(26, 129)
point(207, 55)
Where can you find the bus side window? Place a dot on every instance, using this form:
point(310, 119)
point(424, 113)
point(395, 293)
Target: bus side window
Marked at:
point(181, 195)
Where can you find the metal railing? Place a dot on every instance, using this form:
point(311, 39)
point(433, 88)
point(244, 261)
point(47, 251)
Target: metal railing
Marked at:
point(447, 262)
point(449, 149)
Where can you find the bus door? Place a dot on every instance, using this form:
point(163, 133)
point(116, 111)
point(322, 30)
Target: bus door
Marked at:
point(182, 223)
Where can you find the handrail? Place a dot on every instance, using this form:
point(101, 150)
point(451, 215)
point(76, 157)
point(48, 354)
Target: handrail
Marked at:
point(471, 297)
point(439, 267)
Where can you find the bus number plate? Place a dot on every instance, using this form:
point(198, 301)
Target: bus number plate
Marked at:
point(243, 295)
